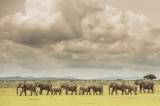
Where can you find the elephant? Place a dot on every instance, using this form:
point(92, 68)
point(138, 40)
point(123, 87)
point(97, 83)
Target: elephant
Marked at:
point(69, 87)
point(145, 84)
point(44, 86)
point(97, 89)
point(117, 86)
point(56, 91)
point(131, 88)
point(27, 86)
point(83, 90)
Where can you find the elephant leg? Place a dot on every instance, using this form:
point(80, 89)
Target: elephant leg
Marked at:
point(79, 92)
point(148, 90)
point(140, 89)
point(93, 92)
point(109, 91)
point(113, 89)
point(21, 92)
point(144, 90)
point(40, 92)
point(122, 92)
point(135, 92)
point(131, 92)
point(96, 92)
point(51, 92)
point(100, 92)
point(125, 91)
point(116, 91)
point(89, 92)
point(47, 92)
point(72, 92)
point(66, 92)
point(35, 92)
point(25, 92)
point(83, 92)
point(31, 93)
point(128, 92)
point(152, 90)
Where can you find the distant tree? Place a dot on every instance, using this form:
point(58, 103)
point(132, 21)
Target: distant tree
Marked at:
point(150, 76)
point(119, 79)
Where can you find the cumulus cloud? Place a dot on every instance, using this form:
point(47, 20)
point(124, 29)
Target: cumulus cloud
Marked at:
point(55, 34)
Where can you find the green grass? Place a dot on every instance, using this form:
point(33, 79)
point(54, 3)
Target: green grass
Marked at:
point(8, 98)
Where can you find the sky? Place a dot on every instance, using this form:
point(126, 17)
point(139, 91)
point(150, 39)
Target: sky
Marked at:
point(79, 38)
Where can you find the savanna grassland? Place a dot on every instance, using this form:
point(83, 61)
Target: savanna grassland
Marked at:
point(8, 97)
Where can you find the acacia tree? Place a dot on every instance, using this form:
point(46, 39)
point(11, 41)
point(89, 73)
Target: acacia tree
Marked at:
point(150, 76)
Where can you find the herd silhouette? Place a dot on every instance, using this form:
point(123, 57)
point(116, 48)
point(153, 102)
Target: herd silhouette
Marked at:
point(114, 87)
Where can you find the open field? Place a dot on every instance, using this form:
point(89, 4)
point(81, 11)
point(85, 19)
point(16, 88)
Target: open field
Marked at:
point(8, 98)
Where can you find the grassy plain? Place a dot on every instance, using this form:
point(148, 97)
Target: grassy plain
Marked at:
point(8, 98)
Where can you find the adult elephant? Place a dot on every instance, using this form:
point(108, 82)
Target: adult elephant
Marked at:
point(69, 87)
point(145, 85)
point(44, 86)
point(27, 86)
point(117, 86)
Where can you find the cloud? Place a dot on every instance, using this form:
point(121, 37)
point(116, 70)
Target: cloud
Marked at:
point(63, 34)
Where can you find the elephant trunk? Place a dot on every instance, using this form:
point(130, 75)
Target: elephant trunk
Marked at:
point(17, 91)
point(153, 88)
point(109, 90)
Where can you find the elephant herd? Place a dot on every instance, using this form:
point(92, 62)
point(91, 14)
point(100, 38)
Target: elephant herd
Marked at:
point(143, 85)
point(95, 89)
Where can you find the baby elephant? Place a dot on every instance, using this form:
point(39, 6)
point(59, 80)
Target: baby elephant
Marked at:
point(131, 88)
point(56, 91)
point(83, 90)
